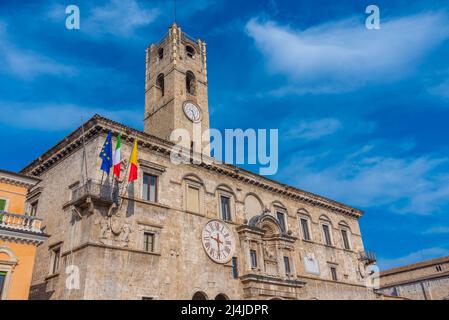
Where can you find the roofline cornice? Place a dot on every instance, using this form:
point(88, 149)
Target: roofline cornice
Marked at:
point(97, 125)
point(18, 179)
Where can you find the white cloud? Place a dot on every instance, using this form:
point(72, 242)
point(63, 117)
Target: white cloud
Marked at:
point(414, 257)
point(57, 117)
point(343, 55)
point(118, 17)
point(436, 230)
point(113, 17)
point(441, 89)
point(405, 185)
point(314, 129)
point(25, 63)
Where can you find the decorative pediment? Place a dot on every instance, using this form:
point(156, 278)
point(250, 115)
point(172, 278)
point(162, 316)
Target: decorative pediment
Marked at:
point(267, 223)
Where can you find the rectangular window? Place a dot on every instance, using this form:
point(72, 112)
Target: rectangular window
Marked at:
point(56, 258)
point(253, 255)
point(327, 235)
point(235, 272)
point(334, 273)
point(305, 229)
point(281, 219)
point(287, 265)
point(148, 242)
point(3, 204)
point(225, 208)
point(33, 209)
point(193, 199)
point(344, 235)
point(2, 282)
point(149, 191)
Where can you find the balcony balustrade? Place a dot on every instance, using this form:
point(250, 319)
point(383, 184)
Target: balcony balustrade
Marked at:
point(368, 257)
point(95, 190)
point(20, 222)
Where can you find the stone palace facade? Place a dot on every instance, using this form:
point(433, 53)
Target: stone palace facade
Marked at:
point(187, 231)
point(426, 280)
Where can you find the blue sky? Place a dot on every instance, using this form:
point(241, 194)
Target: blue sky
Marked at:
point(362, 113)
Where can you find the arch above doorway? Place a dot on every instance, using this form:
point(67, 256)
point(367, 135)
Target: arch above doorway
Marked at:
point(199, 295)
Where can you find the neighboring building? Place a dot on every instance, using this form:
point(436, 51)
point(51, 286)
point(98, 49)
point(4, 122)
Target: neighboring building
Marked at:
point(188, 231)
point(427, 280)
point(19, 235)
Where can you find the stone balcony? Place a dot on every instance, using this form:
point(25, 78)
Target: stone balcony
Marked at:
point(93, 195)
point(95, 190)
point(20, 222)
point(368, 257)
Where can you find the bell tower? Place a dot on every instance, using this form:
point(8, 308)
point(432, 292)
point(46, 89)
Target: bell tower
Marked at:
point(176, 86)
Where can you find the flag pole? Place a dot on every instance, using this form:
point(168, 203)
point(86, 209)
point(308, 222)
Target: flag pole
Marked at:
point(84, 157)
point(123, 192)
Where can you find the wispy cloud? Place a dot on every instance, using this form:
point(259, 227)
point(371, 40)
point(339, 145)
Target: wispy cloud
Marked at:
point(436, 230)
point(342, 56)
point(313, 130)
point(113, 17)
point(404, 185)
point(441, 89)
point(414, 257)
point(25, 63)
point(58, 117)
point(119, 18)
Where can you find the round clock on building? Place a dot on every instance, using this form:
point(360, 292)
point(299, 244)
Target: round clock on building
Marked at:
point(218, 241)
point(192, 111)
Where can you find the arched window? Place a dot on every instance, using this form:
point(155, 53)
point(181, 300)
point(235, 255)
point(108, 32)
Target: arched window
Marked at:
point(193, 193)
point(225, 202)
point(253, 206)
point(199, 296)
point(160, 83)
point(326, 227)
point(190, 51)
point(190, 83)
point(345, 232)
point(221, 296)
point(160, 53)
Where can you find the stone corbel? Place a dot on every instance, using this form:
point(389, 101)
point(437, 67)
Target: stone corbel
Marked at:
point(76, 212)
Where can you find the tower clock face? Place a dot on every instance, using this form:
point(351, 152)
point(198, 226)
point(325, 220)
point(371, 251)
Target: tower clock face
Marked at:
point(218, 241)
point(192, 112)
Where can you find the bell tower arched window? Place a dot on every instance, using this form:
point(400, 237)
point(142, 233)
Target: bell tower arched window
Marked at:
point(160, 53)
point(190, 51)
point(160, 83)
point(190, 83)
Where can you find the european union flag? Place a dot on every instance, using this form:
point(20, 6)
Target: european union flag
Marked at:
point(106, 154)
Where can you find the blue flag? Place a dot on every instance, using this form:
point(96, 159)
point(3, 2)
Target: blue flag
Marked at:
point(106, 154)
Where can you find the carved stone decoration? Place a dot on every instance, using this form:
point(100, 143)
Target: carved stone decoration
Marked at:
point(126, 231)
point(104, 230)
point(116, 225)
point(174, 253)
point(114, 230)
point(311, 263)
point(362, 268)
point(269, 254)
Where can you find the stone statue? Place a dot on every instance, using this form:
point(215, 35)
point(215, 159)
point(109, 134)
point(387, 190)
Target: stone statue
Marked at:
point(126, 231)
point(104, 229)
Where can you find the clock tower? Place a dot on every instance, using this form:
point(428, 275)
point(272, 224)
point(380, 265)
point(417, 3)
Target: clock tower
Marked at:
point(176, 87)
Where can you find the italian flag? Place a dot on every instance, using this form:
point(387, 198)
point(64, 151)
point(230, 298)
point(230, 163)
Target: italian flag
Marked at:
point(133, 163)
point(117, 161)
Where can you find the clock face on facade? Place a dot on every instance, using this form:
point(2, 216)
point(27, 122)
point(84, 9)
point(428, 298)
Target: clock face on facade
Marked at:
point(192, 111)
point(218, 241)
